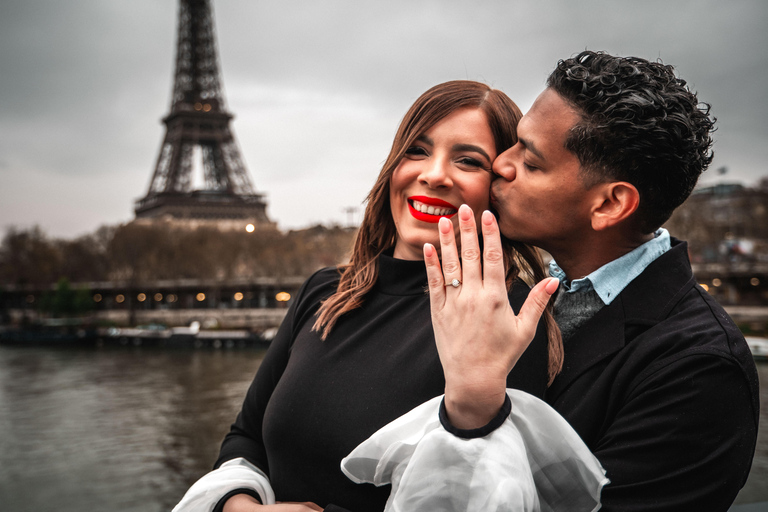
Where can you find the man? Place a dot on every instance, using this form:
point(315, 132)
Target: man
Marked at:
point(657, 380)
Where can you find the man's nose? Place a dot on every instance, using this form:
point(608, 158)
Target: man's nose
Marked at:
point(504, 165)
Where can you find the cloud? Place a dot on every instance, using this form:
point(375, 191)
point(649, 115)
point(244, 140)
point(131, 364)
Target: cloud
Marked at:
point(318, 88)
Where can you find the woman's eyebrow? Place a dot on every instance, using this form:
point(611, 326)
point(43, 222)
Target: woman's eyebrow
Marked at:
point(426, 140)
point(471, 147)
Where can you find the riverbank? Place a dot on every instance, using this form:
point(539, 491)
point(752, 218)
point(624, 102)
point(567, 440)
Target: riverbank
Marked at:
point(752, 320)
point(78, 334)
point(253, 319)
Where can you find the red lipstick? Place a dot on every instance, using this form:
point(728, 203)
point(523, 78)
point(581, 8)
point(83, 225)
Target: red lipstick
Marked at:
point(448, 210)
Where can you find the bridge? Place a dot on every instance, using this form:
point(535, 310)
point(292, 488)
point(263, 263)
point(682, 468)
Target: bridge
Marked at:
point(236, 303)
point(742, 288)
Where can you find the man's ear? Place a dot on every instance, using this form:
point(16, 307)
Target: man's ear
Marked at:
point(616, 201)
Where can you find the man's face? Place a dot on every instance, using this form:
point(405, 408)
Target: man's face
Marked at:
point(539, 194)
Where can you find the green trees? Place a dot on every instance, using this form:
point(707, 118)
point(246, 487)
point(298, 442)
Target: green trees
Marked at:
point(66, 301)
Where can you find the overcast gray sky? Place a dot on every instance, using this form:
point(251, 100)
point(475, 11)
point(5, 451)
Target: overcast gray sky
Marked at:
point(318, 88)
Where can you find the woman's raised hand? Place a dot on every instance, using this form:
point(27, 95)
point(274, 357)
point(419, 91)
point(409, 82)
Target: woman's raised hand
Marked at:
point(479, 338)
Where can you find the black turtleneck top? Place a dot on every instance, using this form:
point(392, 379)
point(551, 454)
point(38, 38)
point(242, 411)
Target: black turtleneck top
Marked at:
point(312, 401)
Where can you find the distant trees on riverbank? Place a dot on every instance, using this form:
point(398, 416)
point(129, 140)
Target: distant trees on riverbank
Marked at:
point(722, 223)
point(158, 251)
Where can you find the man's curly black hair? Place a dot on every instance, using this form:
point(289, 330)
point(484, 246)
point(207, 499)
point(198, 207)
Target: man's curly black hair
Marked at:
point(640, 124)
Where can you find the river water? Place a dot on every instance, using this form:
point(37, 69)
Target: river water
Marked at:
point(130, 429)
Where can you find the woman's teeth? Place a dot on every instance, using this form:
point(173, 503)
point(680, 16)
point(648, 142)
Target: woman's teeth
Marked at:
point(432, 210)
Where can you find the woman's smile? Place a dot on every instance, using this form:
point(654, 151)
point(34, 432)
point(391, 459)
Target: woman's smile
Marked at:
point(430, 209)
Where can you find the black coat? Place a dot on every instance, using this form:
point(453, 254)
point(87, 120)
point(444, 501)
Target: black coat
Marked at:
point(313, 401)
point(662, 387)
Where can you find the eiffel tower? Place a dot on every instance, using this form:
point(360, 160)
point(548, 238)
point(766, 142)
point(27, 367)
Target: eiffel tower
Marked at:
point(198, 128)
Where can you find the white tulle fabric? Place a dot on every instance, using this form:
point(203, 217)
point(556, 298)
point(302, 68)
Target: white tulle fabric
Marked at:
point(534, 462)
point(233, 474)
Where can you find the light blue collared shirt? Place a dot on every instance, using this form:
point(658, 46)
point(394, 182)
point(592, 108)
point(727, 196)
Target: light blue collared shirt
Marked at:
point(609, 280)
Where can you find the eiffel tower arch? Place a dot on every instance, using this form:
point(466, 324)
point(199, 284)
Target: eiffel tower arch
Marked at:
point(198, 129)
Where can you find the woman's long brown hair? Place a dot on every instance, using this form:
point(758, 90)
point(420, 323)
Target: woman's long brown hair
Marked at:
point(378, 233)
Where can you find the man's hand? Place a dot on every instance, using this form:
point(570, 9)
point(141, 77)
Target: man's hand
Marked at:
point(479, 337)
point(246, 503)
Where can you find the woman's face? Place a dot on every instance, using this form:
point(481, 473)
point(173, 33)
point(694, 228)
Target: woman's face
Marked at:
point(445, 167)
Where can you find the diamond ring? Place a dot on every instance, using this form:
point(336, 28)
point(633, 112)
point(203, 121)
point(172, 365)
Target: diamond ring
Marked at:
point(455, 283)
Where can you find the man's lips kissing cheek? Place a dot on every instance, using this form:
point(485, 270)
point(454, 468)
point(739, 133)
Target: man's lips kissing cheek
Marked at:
point(430, 209)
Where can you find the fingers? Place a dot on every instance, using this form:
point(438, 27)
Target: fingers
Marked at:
point(448, 252)
point(471, 269)
point(435, 278)
point(535, 304)
point(493, 255)
point(293, 506)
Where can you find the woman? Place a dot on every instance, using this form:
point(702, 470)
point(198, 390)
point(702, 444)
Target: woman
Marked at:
point(356, 348)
